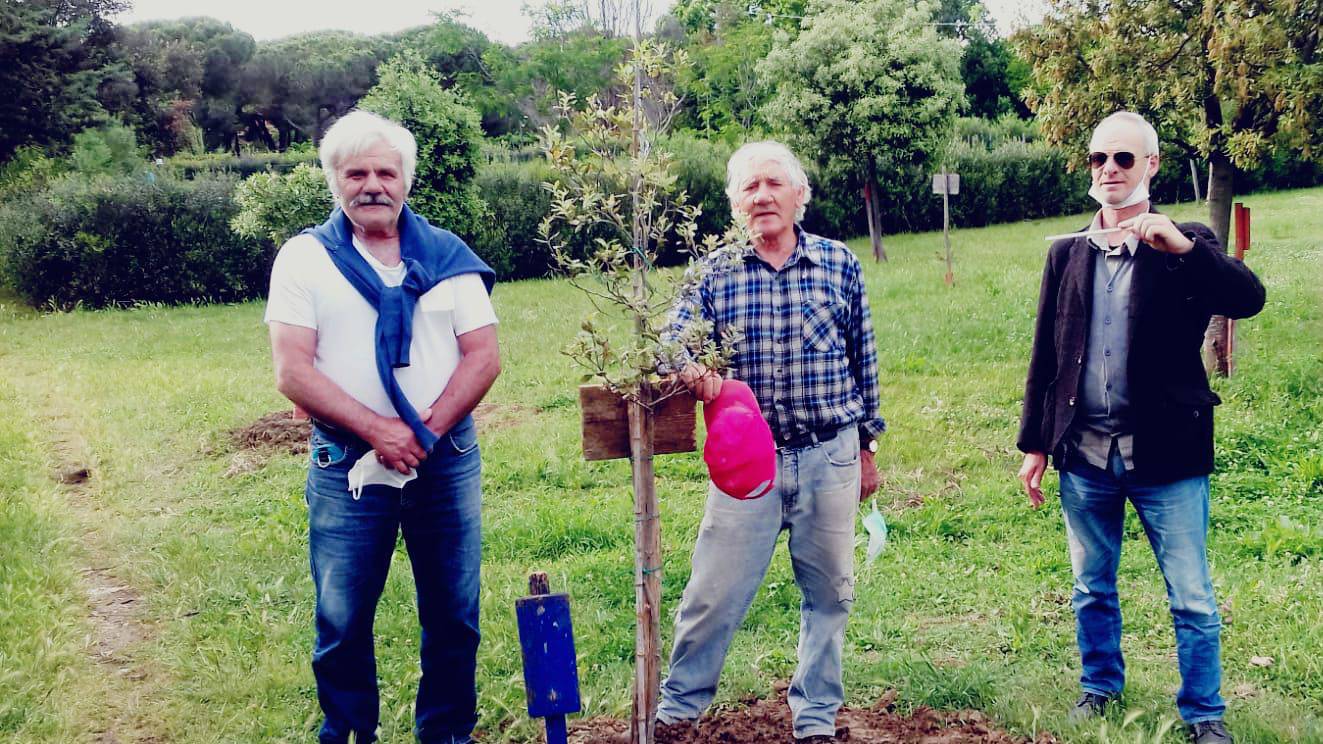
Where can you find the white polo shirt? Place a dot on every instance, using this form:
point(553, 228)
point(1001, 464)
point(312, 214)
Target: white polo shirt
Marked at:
point(308, 290)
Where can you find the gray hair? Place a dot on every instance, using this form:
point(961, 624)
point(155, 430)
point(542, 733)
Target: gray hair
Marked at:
point(356, 132)
point(746, 158)
point(1145, 129)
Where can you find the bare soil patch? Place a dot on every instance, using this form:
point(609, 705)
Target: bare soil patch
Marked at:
point(276, 432)
point(769, 722)
point(279, 432)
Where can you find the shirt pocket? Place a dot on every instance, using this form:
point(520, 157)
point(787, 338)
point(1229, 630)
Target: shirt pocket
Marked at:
point(821, 328)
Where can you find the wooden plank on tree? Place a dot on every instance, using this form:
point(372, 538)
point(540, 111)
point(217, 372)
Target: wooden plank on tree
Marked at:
point(606, 424)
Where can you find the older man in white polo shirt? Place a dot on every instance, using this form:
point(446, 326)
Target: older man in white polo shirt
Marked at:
point(382, 329)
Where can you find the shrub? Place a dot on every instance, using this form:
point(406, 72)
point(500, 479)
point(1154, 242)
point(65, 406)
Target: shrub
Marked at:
point(449, 138)
point(700, 167)
point(110, 150)
point(101, 242)
point(193, 166)
point(275, 207)
point(513, 192)
point(29, 171)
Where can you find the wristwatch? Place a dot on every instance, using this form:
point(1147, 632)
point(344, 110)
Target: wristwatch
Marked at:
point(871, 446)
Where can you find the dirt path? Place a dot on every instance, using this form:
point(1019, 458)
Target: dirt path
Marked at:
point(114, 607)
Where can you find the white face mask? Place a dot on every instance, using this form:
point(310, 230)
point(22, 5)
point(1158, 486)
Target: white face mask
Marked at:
point(877, 534)
point(1138, 196)
point(368, 472)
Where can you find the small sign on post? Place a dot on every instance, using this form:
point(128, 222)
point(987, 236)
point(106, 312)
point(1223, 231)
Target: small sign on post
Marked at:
point(947, 184)
point(551, 673)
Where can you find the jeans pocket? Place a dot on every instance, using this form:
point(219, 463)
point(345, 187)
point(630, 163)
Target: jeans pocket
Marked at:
point(463, 437)
point(842, 450)
point(326, 452)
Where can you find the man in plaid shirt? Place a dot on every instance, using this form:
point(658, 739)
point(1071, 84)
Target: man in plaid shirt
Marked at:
point(806, 349)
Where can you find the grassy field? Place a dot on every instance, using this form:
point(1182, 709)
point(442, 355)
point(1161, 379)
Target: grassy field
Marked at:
point(969, 606)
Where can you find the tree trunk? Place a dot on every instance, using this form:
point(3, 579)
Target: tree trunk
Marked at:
point(874, 212)
point(1221, 180)
point(647, 576)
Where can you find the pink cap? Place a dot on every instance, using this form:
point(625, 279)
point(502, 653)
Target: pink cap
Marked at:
point(740, 453)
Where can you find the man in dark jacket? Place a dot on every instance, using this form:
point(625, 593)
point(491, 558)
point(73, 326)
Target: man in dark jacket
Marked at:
point(1118, 396)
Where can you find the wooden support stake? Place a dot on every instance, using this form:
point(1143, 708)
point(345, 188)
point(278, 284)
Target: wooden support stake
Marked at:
point(647, 578)
point(1241, 215)
point(946, 225)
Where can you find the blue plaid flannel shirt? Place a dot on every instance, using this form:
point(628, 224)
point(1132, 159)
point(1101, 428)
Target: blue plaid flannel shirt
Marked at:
point(807, 350)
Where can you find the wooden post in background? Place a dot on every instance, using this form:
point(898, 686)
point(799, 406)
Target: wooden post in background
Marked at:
point(947, 184)
point(647, 575)
point(1241, 216)
point(946, 225)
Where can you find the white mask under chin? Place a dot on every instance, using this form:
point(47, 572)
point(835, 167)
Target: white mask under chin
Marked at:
point(1138, 196)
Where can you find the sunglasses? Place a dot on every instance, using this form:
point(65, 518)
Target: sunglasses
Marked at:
point(1126, 160)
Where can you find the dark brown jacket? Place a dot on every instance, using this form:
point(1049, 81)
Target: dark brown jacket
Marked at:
point(1171, 301)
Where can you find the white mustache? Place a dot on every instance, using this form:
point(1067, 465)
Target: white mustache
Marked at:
point(367, 200)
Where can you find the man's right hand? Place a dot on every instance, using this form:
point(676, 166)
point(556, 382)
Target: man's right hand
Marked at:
point(1031, 476)
point(395, 444)
point(702, 382)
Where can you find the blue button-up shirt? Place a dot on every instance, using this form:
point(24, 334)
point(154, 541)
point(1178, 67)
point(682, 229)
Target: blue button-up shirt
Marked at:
point(806, 336)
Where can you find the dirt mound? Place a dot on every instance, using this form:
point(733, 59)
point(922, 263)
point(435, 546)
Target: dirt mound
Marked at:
point(768, 722)
point(280, 431)
point(276, 431)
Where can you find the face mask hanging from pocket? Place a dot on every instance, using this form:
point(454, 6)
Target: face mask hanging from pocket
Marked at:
point(369, 472)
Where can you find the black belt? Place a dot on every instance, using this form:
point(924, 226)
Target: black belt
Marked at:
point(808, 439)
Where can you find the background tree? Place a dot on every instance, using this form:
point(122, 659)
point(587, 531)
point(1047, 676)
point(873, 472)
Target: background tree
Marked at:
point(178, 76)
point(995, 77)
point(465, 59)
point(566, 54)
point(299, 85)
point(449, 142)
point(1229, 81)
point(723, 91)
point(868, 89)
point(54, 57)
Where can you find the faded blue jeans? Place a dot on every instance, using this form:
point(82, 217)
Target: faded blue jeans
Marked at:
point(1175, 518)
point(816, 495)
point(350, 545)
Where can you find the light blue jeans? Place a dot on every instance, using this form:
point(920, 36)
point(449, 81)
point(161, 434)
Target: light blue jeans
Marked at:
point(1175, 518)
point(816, 495)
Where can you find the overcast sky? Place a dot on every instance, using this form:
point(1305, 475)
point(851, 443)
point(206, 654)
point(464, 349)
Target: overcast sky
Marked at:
point(501, 20)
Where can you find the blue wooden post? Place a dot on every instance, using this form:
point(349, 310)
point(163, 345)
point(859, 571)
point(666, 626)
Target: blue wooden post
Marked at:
point(551, 672)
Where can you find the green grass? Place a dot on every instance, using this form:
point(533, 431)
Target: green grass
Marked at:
point(968, 606)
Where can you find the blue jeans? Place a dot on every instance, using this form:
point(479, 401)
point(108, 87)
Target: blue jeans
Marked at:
point(1175, 518)
point(350, 544)
point(816, 495)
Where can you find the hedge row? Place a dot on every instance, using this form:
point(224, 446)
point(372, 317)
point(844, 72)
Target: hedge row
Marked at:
point(115, 242)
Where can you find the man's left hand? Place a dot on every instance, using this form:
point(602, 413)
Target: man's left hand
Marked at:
point(1158, 231)
point(869, 480)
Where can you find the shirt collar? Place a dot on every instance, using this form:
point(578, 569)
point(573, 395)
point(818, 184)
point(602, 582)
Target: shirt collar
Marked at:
point(1130, 245)
point(803, 249)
